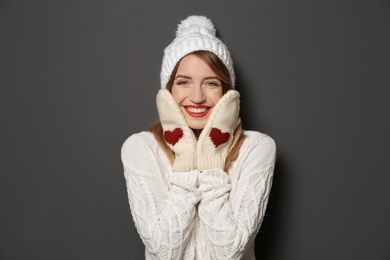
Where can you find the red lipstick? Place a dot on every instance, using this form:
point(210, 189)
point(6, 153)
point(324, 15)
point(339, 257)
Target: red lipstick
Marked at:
point(197, 111)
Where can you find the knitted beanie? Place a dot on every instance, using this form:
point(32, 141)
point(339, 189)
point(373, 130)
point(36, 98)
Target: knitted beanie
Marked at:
point(196, 33)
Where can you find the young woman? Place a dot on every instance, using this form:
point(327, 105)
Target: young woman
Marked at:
point(198, 184)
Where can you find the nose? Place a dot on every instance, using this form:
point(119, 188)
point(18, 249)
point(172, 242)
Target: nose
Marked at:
point(196, 95)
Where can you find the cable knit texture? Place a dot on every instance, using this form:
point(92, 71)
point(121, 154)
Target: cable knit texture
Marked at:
point(196, 214)
point(195, 33)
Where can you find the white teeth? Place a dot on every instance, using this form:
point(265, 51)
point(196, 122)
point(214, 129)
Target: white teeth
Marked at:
point(196, 110)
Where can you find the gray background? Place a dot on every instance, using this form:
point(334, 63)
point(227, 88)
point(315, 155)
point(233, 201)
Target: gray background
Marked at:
point(79, 77)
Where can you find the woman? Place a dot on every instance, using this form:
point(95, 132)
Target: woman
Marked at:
point(198, 184)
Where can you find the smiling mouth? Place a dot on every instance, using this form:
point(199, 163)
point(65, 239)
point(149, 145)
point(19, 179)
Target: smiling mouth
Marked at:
point(197, 111)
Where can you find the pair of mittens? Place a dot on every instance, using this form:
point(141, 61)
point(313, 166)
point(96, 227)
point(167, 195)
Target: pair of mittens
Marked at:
point(212, 147)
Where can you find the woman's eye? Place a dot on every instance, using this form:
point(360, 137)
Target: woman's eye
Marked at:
point(212, 84)
point(182, 82)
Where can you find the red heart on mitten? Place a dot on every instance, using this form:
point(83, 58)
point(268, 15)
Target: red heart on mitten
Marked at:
point(172, 137)
point(217, 137)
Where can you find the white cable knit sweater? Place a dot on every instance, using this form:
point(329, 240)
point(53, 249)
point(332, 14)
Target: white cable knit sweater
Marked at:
point(198, 215)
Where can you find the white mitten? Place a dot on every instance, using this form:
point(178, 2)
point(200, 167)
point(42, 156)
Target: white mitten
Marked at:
point(178, 136)
point(216, 137)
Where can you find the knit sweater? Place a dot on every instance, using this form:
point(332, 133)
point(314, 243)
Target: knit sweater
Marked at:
point(198, 215)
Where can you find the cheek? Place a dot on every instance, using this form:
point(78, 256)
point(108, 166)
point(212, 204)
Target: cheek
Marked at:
point(177, 95)
point(215, 96)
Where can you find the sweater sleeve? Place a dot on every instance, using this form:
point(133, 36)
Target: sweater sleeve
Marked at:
point(231, 220)
point(163, 216)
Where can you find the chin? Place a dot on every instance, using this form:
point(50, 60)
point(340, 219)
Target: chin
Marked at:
point(196, 126)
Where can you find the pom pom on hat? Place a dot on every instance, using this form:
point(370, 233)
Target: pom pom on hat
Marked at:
point(196, 33)
point(195, 24)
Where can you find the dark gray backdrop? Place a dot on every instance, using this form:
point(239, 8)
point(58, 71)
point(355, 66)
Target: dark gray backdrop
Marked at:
point(78, 77)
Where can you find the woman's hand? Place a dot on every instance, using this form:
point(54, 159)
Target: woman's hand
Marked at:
point(179, 137)
point(215, 139)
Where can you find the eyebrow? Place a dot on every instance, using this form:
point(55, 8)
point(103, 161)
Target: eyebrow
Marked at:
point(182, 76)
point(188, 77)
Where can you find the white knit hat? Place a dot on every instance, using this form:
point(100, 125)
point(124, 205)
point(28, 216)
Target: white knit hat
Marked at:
point(196, 33)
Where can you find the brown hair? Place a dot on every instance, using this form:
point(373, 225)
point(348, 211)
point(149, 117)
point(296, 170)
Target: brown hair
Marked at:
point(222, 72)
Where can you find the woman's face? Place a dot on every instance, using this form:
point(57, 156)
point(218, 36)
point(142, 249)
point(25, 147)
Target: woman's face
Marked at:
point(196, 89)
